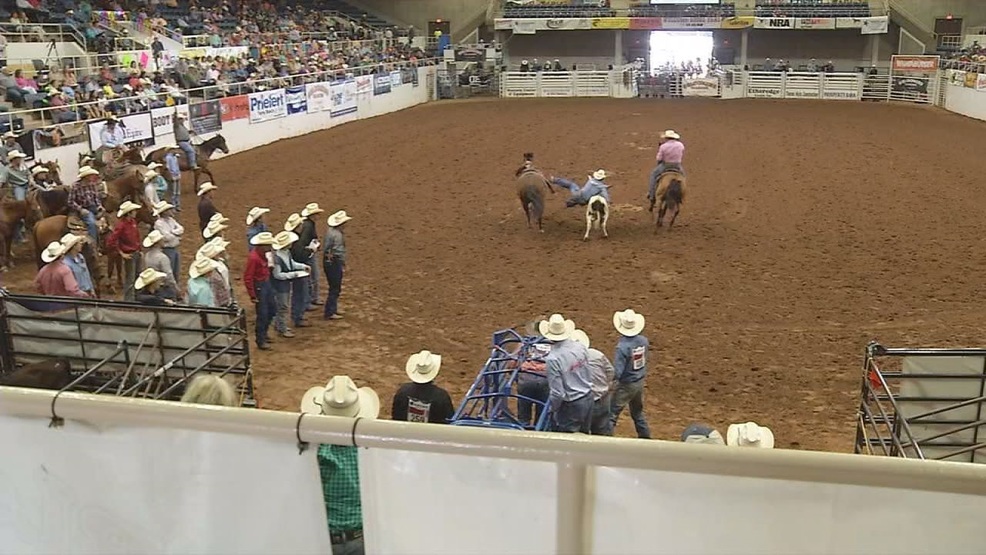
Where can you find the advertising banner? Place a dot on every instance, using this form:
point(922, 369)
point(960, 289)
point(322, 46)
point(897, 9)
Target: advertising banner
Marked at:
point(318, 96)
point(971, 80)
point(530, 26)
point(739, 22)
point(343, 98)
point(611, 23)
point(296, 99)
point(956, 77)
point(981, 82)
point(914, 64)
point(395, 79)
point(848, 23)
point(691, 23)
point(381, 84)
point(267, 105)
point(137, 128)
point(567, 24)
point(163, 122)
point(234, 107)
point(700, 86)
point(206, 116)
point(814, 23)
point(364, 85)
point(646, 23)
point(774, 23)
point(875, 25)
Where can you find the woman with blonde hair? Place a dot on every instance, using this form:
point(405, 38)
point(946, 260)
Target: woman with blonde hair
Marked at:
point(209, 389)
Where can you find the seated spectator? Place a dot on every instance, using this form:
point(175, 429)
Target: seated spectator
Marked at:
point(209, 389)
point(12, 91)
point(29, 85)
point(749, 434)
point(420, 400)
point(60, 110)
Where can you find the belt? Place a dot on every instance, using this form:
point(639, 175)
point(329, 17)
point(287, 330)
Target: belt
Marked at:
point(345, 536)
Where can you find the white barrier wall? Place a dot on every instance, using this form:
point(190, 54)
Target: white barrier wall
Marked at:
point(966, 101)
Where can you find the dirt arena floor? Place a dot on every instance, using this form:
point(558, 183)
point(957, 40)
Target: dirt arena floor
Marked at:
point(810, 229)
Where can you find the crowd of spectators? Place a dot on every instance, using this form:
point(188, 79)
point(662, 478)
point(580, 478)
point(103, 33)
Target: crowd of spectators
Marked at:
point(972, 54)
point(812, 8)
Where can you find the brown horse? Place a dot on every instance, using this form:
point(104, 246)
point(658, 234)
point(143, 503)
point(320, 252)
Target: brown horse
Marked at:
point(671, 195)
point(12, 213)
point(203, 152)
point(52, 229)
point(129, 154)
point(532, 197)
point(129, 186)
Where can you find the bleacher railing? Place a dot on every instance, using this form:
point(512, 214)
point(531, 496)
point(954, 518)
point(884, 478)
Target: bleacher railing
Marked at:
point(556, 9)
point(42, 32)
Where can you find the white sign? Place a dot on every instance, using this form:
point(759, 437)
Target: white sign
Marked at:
point(848, 23)
point(364, 85)
point(319, 97)
point(700, 86)
point(840, 94)
point(764, 92)
point(691, 23)
point(162, 121)
point(815, 23)
point(137, 128)
point(343, 98)
point(395, 79)
point(774, 23)
point(875, 25)
point(267, 105)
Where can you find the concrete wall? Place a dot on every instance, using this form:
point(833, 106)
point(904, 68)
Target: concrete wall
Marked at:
point(419, 12)
point(569, 47)
point(973, 12)
point(847, 49)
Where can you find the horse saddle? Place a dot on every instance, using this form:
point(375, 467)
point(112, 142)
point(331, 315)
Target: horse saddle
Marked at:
point(75, 223)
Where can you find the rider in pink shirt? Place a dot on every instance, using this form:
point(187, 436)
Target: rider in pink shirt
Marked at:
point(670, 154)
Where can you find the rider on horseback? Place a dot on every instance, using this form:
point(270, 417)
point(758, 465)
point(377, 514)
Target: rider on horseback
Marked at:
point(669, 158)
point(595, 185)
point(42, 178)
point(184, 140)
point(83, 199)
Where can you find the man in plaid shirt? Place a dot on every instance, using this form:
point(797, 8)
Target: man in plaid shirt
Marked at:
point(84, 200)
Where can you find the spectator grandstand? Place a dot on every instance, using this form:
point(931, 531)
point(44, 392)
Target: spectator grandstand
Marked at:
point(763, 8)
point(812, 8)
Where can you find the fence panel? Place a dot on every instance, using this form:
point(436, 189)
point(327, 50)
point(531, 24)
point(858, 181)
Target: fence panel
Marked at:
point(760, 84)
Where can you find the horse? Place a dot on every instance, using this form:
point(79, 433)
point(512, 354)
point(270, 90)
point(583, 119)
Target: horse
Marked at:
point(671, 194)
point(532, 197)
point(54, 374)
point(596, 215)
point(203, 152)
point(52, 229)
point(12, 213)
point(129, 154)
point(129, 186)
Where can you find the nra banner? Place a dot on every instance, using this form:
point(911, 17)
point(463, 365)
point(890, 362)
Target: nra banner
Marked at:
point(364, 85)
point(296, 99)
point(137, 128)
point(343, 98)
point(319, 97)
point(914, 64)
point(611, 23)
point(163, 122)
point(646, 23)
point(774, 23)
point(691, 22)
point(234, 107)
point(814, 23)
point(267, 105)
point(739, 22)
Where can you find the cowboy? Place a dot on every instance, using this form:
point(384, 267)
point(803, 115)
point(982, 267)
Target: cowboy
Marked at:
point(184, 140)
point(669, 157)
point(154, 258)
point(162, 187)
point(112, 136)
point(306, 247)
point(15, 176)
point(299, 289)
point(199, 291)
point(569, 379)
point(210, 389)
point(749, 434)
point(77, 263)
point(55, 277)
point(219, 279)
point(206, 207)
point(125, 238)
point(630, 364)
point(286, 273)
point(334, 262)
point(152, 290)
point(174, 170)
point(216, 226)
point(9, 145)
point(256, 279)
point(255, 223)
point(338, 465)
point(83, 199)
point(595, 185)
point(42, 178)
point(532, 381)
point(171, 232)
point(151, 188)
point(602, 378)
point(420, 400)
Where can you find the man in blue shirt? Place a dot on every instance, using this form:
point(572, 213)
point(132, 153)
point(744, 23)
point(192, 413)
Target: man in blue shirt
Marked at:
point(569, 379)
point(594, 186)
point(630, 365)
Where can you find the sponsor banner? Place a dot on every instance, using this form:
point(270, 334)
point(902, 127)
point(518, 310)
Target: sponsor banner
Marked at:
point(206, 117)
point(163, 122)
point(296, 100)
point(814, 23)
point(840, 94)
point(137, 128)
point(739, 22)
point(914, 64)
point(691, 22)
point(234, 107)
point(517, 26)
point(911, 85)
point(971, 79)
point(568, 24)
point(981, 82)
point(848, 23)
point(318, 95)
point(700, 86)
point(646, 23)
point(764, 92)
point(364, 85)
point(956, 77)
point(381, 84)
point(267, 105)
point(501, 24)
point(395, 79)
point(611, 23)
point(343, 98)
point(774, 23)
point(875, 25)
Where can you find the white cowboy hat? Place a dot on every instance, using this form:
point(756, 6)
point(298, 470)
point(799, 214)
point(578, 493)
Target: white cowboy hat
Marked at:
point(39, 169)
point(53, 251)
point(10, 135)
point(749, 434)
point(161, 207)
point(423, 367)
point(556, 328)
point(206, 187)
point(211, 250)
point(86, 171)
point(311, 208)
point(15, 154)
point(150, 174)
point(147, 277)
point(154, 166)
point(338, 218)
point(581, 337)
point(112, 118)
point(670, 134)
point(262, 238)
point(294, 220)
point(283, 240)
point(255, 213)
point(628, 322)
point(599, 175)
point(201, 267)
point(70, 240)
point(153, 238)
point(126, 208)
point(212, 229)
point(218, 217)
point(341, 397)
point(180, 115)
point(127, 87)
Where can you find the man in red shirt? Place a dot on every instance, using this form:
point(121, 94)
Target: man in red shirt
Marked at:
point(126, 239)
point(256, 278)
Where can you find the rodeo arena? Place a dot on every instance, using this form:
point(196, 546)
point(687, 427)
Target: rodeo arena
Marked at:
point(231, 324)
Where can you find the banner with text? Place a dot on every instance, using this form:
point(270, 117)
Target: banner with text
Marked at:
point(981, 82)
point(971, 80)
point(381, 84)
point(691, 23)
point(267, 105)
point(815, 23)
point(611, 23)
point(739, 22)
point(875, 25)
point(700, 86)
point(848, 23)
point(163, 122)
point(137, 128)
point(319, 97)
point(234, 107)
point(296, 99)
point(207, 117)
point(395, 79)
point(774, 23)
point(364, 85)
point(914, 64)
point(343, 98)
point(646, 23)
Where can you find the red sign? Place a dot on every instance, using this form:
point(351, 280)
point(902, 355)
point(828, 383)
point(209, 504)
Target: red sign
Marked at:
point(235, 107)
point(647, 23)
point(915, 64)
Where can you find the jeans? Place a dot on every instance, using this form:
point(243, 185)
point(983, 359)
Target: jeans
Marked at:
point(633, 394)
point(176, 193)
point(600, 415)
point(20, 193)
point(189, 151)
point(175, 258)
point(333, 275)
point(655, 175)
point(299, 299)
point(283, 299)
point(266, 307)
point(533, 387)
point(352, 547)
point(90, 220)
point(313, 284)
point(572, 416)
point(130, 276)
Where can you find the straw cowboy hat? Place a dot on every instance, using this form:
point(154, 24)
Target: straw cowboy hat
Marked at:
point(201, 267)
point(150, 174)
point(283, 240)
point(213, 228)
point(599, 175)
point(262, 238)
point(180, 115)
point(218, 217)
point(16, 154)
point(294, 220)
point(10, 135)
point(112, 118)
point(154, 166)
point(39, 169)
point(206, 187)
point(581, 337)
point(53, 251)
point(211, 249)
point(339, 218)
point(147, 277)
point(255, 213)
point(423, 367)
point(126, 208)
point(628, 322)
point(161, 207)
point(341, 397)
point(556, 328)
point(153, 238)
point(70, 240)
point(86, 171)
point(749, 434)
point(311, 208)
point(670, 134)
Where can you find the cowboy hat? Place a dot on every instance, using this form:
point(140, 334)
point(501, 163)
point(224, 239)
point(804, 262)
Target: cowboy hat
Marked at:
point(126, 208)
point(201, 267)
point(10, 135)
point(628, 322)
point(599, 175)
point(262, 238)
point(556, 328)
point(153, 238)
point(161, 207)
point(180, 115)
point(206, 187)
point(147, 277)
point(339, 218)
point(39, 169)
point(423, 367)
point(70, 240)
point(86, 171)
point(211, 250)
point(150, 174)
point(15, 154)
point(341, 397)
point(53, 251)
point(670, 134)
point(283, 240)
point(154, 166)
point(112, 118)
point(214, 228)
point(255, 213)
point(581, 337)
point(311, 208)
point(218, 217)
point(294, 220)
point(700, 433)
point(749, 434)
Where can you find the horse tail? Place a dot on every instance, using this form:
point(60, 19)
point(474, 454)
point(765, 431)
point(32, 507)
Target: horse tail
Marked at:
point(675, 192)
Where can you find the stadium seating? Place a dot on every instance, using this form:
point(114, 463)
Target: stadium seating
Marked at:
point(812, 8)
point(575, 8)
point(680, 10)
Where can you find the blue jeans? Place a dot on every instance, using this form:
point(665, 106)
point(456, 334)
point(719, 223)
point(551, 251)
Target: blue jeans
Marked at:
point(176, 193)
point(572, 416)
point(333, 275)
point(533, 387)
point(90, 220)
point(20, 193)
point(189, 151)
point(266, 307)
point(633, 394)
point(600, 415)
point(281, 316)
point(299, 299)
point(655, 175)
point(313, 283)
point(175, 258)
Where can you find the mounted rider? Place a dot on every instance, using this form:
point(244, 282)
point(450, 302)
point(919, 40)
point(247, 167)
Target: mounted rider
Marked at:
point(83, 199)
point(669, 158)
point(595, 185)
point(184, 140)
point(112, 139)
point(42, 178)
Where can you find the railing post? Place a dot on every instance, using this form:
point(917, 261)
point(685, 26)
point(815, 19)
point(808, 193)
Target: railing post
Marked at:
point(571, 532)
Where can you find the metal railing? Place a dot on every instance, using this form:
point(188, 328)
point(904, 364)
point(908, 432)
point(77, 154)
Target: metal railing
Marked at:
point(572, 9)
point(974, 67)
point(42, 32)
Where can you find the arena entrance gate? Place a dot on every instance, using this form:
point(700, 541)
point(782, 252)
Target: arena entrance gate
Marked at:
point(127, 349)
point(923, 404)
point(458, 81)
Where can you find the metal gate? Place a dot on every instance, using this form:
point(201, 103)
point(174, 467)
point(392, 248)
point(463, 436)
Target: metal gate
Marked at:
point(467, 83)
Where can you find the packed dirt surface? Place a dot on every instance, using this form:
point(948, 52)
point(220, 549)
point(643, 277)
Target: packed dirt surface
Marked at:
point(810, 229)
